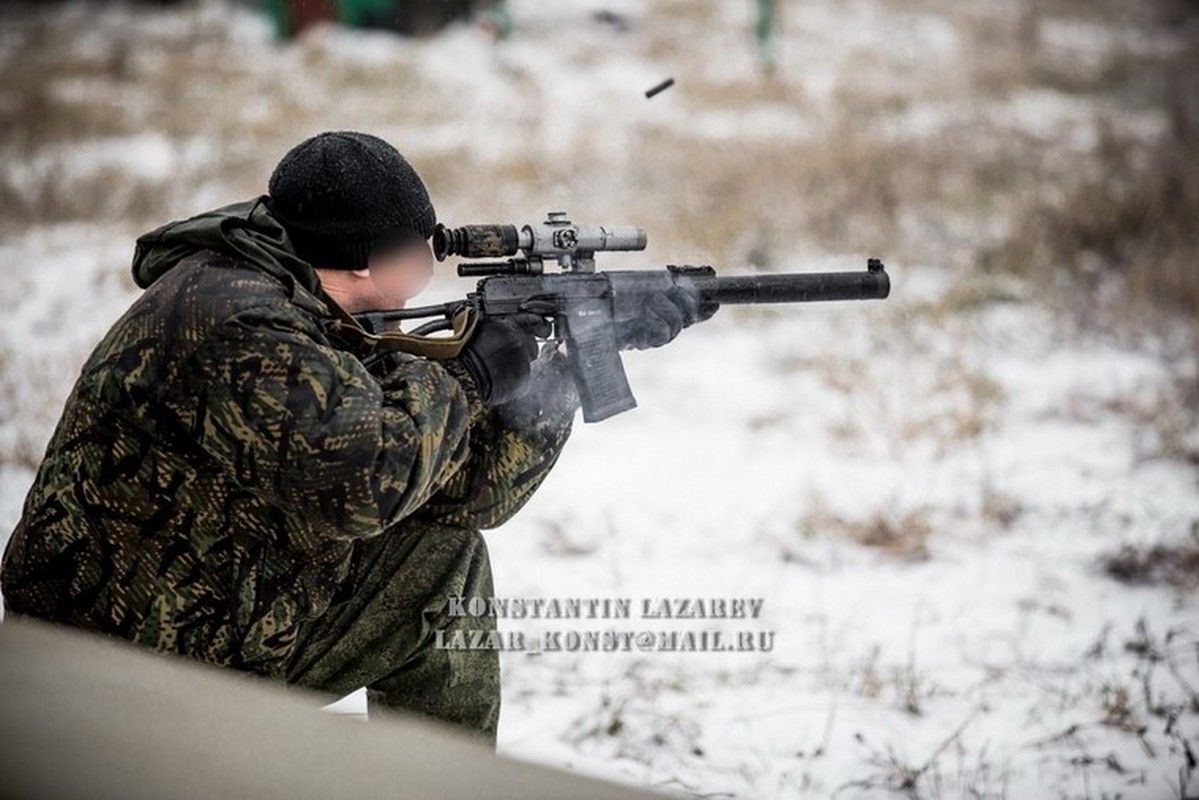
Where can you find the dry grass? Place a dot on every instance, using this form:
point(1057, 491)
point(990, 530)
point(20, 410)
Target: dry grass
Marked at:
point(900, 534)
point(966, 401)
point(1161, 564)
point(999, 509)
point(949, 401)
point(556, 540)
point(1136, 224)
point(1133, 214)
point(848, 190)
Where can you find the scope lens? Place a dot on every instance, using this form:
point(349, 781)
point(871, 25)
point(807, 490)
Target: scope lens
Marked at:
point(441, 242)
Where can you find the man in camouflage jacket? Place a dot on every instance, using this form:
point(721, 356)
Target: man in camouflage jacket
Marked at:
point(230, 481)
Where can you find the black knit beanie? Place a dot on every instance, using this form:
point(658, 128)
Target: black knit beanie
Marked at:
point(341, 193)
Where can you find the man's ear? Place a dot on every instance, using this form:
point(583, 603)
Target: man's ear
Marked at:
point(361, 273)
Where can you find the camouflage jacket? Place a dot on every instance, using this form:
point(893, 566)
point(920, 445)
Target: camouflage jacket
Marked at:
point(222, 451)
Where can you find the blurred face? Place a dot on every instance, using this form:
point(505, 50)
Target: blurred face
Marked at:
point(392, 278)
point(401, 273)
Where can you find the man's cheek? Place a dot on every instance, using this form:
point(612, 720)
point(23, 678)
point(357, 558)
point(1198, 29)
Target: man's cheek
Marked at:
point(422, 279)
point(412, 280)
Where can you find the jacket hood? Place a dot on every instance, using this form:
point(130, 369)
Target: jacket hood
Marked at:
point(245, 230)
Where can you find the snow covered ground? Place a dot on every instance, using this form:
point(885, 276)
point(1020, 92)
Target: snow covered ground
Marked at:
point(923, 493)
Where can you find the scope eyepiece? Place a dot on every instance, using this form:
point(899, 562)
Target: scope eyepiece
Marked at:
point(475, 241)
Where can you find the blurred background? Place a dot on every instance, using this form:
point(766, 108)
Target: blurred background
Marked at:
point(971, 511)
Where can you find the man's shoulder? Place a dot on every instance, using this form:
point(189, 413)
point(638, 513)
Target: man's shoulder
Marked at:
point(220, 276)
point(217, 287)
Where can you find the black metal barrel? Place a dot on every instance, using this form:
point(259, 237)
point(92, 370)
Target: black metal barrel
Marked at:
point(872, 284)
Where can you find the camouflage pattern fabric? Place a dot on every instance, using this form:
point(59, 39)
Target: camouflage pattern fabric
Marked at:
point(382, 635)
point(228, 481)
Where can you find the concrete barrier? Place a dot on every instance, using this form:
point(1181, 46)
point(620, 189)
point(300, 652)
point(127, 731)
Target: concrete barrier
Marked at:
point(85, 715)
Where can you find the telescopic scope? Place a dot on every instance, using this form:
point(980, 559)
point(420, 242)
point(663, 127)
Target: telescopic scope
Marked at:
point(555, 238)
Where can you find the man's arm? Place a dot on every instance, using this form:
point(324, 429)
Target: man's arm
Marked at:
point(512, 449)
point(305, 425)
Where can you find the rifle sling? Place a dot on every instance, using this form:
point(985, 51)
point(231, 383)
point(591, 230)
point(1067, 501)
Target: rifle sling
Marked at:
point(439, 347)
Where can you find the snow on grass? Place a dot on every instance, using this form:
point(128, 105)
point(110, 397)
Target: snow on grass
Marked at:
point(923, 492)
